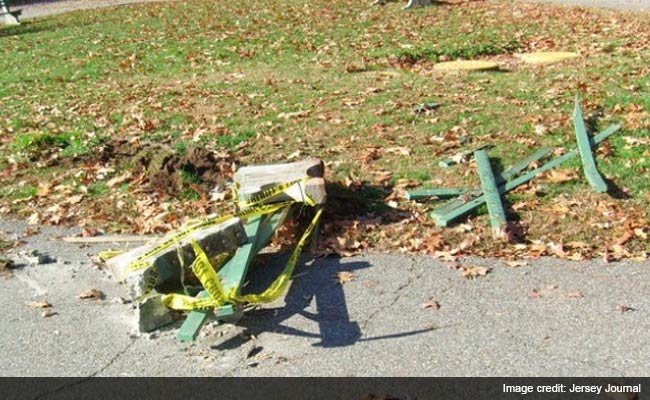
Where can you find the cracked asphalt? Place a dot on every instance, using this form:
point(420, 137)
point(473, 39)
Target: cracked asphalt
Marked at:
point(549, 318)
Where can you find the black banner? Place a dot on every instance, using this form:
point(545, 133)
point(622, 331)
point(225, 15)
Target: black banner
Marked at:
point(323, 388)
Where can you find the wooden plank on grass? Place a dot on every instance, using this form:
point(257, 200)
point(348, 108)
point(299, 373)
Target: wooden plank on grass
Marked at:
point(446, 219)
point(594, 177)
point(491, 193)
point(505, 176)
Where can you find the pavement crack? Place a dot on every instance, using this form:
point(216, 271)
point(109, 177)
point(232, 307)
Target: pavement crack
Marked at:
point(112, 360)
point(87, 378)
point(398, 294)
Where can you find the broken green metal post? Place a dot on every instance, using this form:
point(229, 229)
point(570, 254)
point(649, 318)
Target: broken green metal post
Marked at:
point(502, 178)
point(491, 193)
point(447, 218)
point(586, 155)
point(259, 231)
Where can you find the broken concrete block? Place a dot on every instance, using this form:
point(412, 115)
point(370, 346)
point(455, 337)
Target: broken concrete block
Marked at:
point(255, 179)
point(165, 268)
point(152, 314)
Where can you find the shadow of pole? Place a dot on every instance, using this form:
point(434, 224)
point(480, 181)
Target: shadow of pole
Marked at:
point(315, 285)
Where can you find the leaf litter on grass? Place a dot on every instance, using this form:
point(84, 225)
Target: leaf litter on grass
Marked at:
point(137, 130)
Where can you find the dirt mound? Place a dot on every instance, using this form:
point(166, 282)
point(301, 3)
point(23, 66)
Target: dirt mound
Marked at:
point(171, 170)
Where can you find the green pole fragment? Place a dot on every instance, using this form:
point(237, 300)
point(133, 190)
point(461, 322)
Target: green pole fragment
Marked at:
point(586, 155)
point(492, 196)
point(442, 193)
point(259, 231)
point(505, 176)
point(230, 271)
point(446, 219)
point(193, 323)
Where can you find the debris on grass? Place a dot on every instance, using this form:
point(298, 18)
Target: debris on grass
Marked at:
point(547, 58)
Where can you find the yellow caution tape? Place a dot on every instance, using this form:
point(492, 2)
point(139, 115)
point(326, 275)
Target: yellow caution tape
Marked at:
point(108, 254)
point(269, 193)
point(212, 284)
point(279, 285)
point(248, 209)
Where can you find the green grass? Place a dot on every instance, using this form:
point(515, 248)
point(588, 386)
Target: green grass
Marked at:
point(227, 75)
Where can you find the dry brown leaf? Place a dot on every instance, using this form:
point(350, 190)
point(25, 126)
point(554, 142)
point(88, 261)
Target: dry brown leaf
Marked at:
point(622, 308)
point(296, 114)
point(431, 304)
point(383, 177)
point(48, 313)
point(399, 150)
point(516, 264)
point(91, 294)
point(471, 272)
point(560, 175)
point(38, 304)
point(576, 294)
point(344, 277)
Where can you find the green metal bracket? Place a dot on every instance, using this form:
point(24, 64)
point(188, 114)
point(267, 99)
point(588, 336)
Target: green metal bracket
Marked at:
point(491, 192)
point(446, 219)
point(259, 231)
point(505, 176)
point(584, 146)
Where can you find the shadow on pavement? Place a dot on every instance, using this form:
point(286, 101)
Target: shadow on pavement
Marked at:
point(313, 284)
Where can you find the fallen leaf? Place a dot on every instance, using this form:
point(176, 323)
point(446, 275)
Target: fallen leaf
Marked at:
point(516, 264)
point(471, 272)
point(431, 304)
point(399, 150)
point(344, 277)
point(292, 115)
point(91, 294)
point(38, 304)
point(48, 313)
point(577, 294)
point(560, 175)
point(90, 232)
point(534, 294)
point(622, 308)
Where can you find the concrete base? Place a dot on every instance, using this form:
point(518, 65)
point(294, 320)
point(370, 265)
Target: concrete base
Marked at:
point(8, 19)
point(152, 314)
point(165, 267)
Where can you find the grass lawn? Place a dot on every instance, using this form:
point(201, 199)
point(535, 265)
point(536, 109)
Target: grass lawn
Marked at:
point(108, 116)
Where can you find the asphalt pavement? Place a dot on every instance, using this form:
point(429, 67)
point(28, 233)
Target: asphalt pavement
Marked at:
point(550, 317)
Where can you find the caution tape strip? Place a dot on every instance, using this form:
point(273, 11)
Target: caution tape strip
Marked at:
point(217, 296)
point(249, 209)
